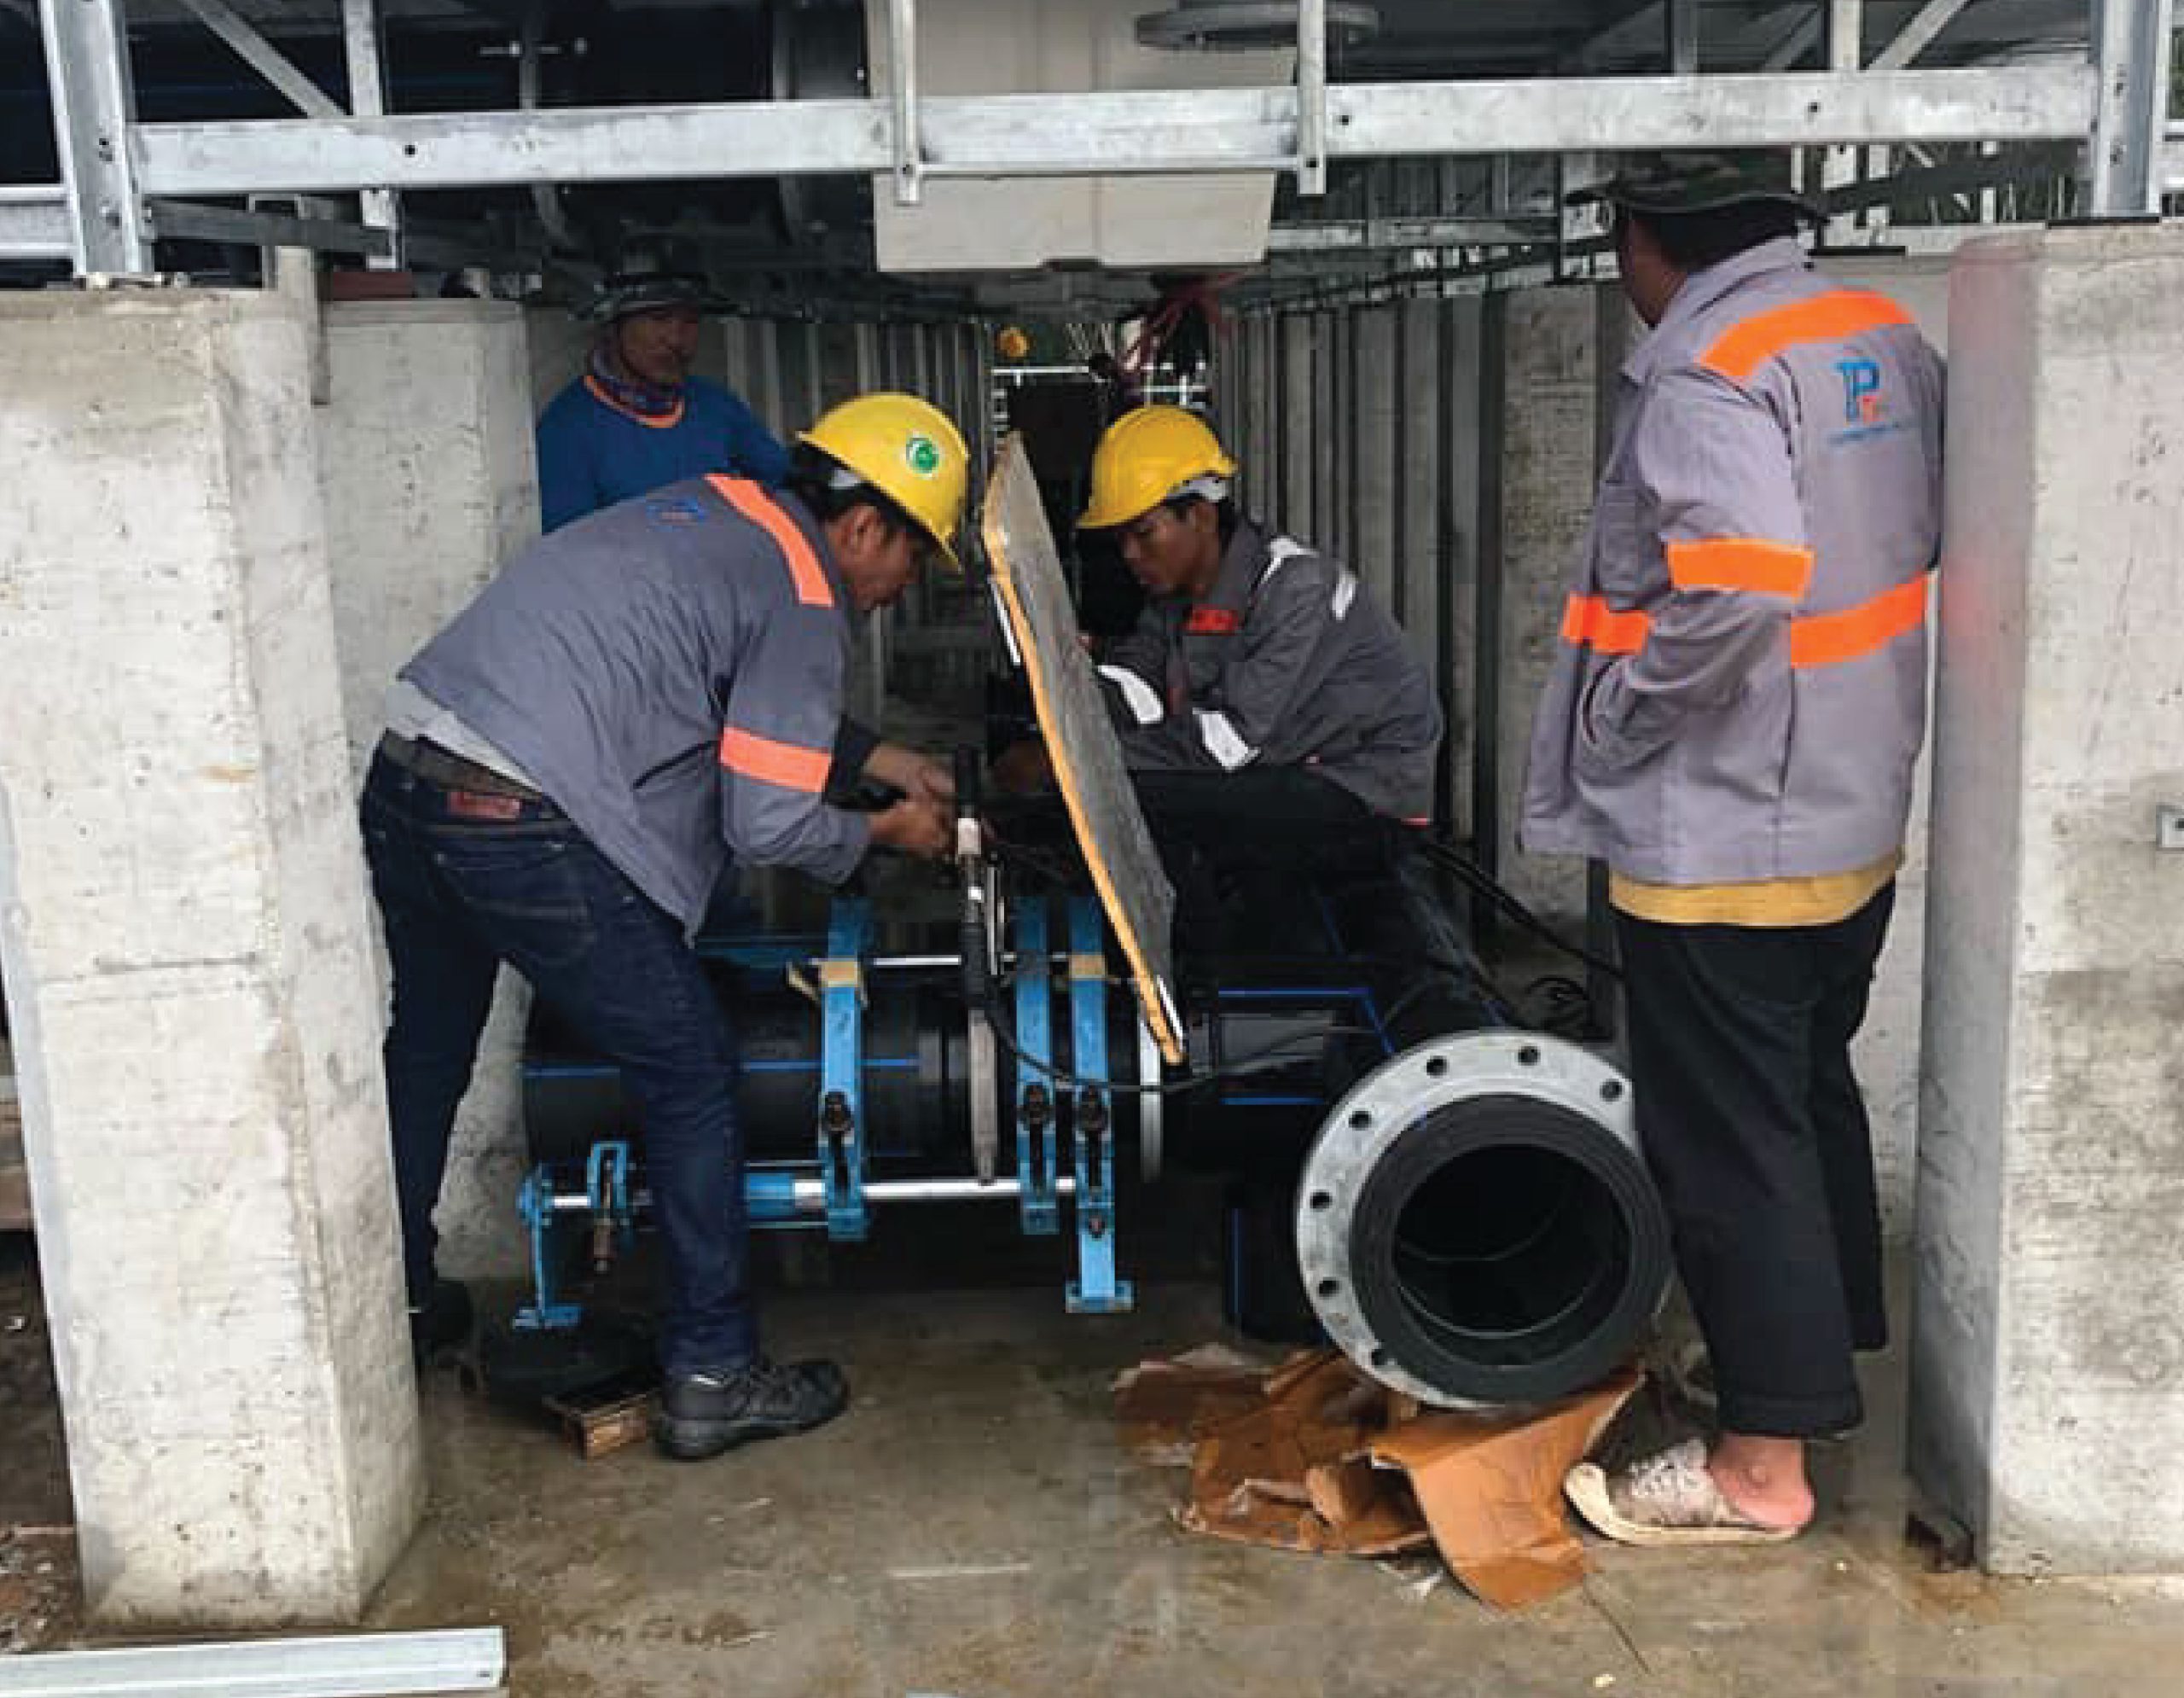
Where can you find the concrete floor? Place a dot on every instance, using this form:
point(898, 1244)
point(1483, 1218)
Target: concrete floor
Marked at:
point(971, 1528)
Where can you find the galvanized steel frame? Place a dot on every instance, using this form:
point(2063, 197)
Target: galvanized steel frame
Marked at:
point(113, 165)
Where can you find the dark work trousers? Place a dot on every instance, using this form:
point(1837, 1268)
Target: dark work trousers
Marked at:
point(1756, 1133)
point(460, 895)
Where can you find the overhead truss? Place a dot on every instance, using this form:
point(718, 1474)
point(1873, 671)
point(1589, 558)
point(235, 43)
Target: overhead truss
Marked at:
point(116, 171)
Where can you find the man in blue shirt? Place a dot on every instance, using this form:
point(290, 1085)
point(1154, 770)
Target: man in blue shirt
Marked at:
point(637, 419)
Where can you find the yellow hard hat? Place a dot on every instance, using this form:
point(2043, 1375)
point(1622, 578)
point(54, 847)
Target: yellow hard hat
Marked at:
point(910, 451)
point(1146, 456)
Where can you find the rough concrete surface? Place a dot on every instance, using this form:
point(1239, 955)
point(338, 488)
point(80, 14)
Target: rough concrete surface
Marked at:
point(2050, 1369)
point(185, 941)
point(431, 482)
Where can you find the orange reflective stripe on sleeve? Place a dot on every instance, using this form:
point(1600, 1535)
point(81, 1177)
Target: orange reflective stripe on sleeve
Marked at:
point(1824, 639)
point(788, 765)
point(760, 509)
point(1590, 622)
point(1740, 563)
point(1744, 348)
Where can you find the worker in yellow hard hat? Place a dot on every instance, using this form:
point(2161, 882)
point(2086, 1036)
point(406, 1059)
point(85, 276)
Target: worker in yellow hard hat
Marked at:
point(1252, 651)
point(629, 703)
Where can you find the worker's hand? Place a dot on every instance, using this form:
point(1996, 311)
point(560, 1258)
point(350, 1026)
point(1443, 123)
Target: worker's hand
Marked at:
point(916, 826)
point(917, 776)
point(1023, 767)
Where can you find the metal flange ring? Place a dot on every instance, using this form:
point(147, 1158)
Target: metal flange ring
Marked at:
point(1475, 1226)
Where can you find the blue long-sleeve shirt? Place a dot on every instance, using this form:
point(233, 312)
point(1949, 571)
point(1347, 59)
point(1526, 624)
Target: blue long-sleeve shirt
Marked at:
point(592, 454)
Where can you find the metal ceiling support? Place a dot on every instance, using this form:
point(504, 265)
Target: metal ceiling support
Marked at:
point(183, 220)
point(34, 222)
point(1682, 17)
point(1912, 40)
point(1358, 236)
point(2132, 40)
point(1798, 42)
point(362, 48)
point(1312, 97)
point(263, 57)
point(87, 67)
point(903, 86)
point(1136, 131)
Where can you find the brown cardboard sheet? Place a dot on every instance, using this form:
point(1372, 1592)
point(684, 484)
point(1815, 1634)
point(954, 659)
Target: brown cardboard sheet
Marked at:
point(1316, 1456)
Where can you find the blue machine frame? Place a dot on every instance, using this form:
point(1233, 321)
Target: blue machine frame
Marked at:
point(1050, 1089)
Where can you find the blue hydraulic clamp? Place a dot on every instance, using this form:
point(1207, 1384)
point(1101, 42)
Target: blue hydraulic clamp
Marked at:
point(1096, 1290)
point(842, 1069)
point(607, 1186)
point(1036, 1094)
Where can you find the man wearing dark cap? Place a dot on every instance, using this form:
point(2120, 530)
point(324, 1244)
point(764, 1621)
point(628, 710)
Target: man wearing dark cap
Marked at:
point(1731, 725)
point(637, 419)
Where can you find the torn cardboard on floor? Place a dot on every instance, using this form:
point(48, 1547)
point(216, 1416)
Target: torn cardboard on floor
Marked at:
point(1316, 1456)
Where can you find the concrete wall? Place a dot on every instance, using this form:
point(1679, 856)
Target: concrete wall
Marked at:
point(2047, 1364)
point(187, 947)
point(430, 482)
point(1546, 341)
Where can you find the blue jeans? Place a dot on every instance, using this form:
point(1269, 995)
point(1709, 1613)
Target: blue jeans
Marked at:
point(461, 894)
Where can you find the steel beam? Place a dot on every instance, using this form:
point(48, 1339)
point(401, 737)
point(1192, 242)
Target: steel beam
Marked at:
point(1134, 131)
point(902, 91)
point(1913, 40)
point(361, 52)
point(2132, 40)
point(35, 222)
point(1364, 235)
point(87, 68)
point(342, 1665)
point(1682, 42)
point(186, 221)
point(1312, 97)
point(263, 57)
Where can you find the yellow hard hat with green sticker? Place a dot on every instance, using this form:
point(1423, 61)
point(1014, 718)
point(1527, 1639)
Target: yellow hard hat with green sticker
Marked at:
point(907, 449)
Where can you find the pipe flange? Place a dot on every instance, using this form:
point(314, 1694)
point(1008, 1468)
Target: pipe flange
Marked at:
point(1393, 1100)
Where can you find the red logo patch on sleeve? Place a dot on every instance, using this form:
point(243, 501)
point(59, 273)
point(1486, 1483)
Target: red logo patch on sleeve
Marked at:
point(1211, 622)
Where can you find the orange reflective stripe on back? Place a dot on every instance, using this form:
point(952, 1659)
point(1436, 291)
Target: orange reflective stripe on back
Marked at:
point(760, 509)
point(1740, 563)
point(1588, 620)
point(1744, 348)
point(788, 765)
point(1823, 639)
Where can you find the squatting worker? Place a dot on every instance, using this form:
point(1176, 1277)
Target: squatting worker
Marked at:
point(1255, 658)
point(636, 419)
point(1731, 725)
point(567, 768)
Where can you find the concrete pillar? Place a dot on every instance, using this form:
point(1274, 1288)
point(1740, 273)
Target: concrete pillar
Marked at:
point(430, 482)
point(1550, 384)
point(2048, 1349)
point(187, 946)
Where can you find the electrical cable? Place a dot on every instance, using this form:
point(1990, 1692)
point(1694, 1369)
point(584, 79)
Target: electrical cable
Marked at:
point(1450, 858)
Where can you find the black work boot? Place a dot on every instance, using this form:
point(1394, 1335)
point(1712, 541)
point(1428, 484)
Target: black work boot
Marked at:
point(703, 1414)
point(440, 1326)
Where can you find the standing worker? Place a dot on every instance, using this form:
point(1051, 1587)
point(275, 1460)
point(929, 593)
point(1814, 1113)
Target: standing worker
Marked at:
point(637, 419)
point(567, 766)
point(1254, 658)
point(1731, 725)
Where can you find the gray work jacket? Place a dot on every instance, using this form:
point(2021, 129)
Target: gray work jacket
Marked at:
point(1740, 690)
point(670, 672)
point(1287, 661)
